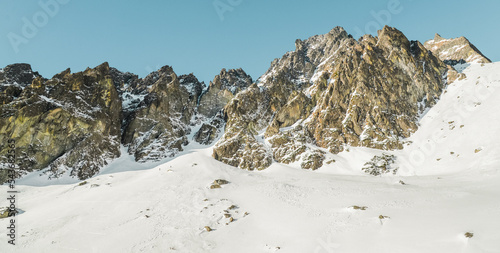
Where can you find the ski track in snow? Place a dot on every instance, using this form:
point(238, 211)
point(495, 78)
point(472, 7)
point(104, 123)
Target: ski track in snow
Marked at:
point(164, 207)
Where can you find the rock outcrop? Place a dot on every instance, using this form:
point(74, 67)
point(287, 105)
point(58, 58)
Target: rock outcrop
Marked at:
point(75, 122)
point(70, 122)
point(13, 79)
point(332, 92)
point(158, 128)
point(457, 50)
point(457, 54)
point(223, 88)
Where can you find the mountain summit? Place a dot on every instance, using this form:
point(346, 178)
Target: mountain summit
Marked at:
point(457, 49)
point(331, 93)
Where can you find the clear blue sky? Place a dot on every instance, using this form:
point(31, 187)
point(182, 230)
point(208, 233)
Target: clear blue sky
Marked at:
point(204, 36)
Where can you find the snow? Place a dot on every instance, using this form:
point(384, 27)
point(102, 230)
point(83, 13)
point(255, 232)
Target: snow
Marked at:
point(71, 107)
point(164, 207)
point(131, 100)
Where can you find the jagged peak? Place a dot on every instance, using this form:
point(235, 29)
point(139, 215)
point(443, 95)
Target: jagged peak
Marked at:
point(189, 77)
point(389, 31)
point(233, 80)
point(455, 49)
point(166, 69)
point(392, 37)
point(438, 37)
point(24, 66)
point(62, 74)
point(338, 30)
point(20, 73)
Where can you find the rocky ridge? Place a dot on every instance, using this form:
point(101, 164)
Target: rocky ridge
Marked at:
point(75, 122)
point(456, 50)
point(331, 93)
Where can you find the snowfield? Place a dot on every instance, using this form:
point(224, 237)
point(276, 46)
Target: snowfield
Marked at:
point(448, 184)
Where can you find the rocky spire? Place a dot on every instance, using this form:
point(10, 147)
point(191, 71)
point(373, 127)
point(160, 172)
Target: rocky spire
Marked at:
point(438, 38)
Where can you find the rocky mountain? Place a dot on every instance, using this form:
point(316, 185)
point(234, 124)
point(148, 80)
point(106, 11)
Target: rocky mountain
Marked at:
point(223, 88)
point(75, 122)
point(13, 79)
point(70, 122)
point(455, 50)
point(158, 128)
point(331, 93)
point(457, 54)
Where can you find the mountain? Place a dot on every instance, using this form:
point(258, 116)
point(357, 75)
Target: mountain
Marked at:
point(75, 123)
point(330, 94)
point(443, 199)
point(455, 50)
point(70, 122)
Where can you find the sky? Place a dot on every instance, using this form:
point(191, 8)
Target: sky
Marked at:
point(204, 36)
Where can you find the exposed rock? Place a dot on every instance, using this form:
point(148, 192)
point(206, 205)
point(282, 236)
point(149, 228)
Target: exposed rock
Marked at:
point(218, 183)
point(239, 145)
point(211, 130)
point(453, 75)
point(314, 160)
point(76, 122)
point(457, 50)
point(19, 74)
point(362, 208)
point(13, 79)
point(332, 91)
point(381, 165)
point(70, 122)
point(158, 128)
point(223, 88)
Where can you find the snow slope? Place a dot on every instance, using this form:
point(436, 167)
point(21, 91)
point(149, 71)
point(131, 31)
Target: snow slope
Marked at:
point(136, 208)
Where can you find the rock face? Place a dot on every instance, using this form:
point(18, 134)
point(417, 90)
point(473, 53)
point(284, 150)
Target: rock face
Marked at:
point(455, 50)
point(158, 128)
point(332, 92)
point(70, 122)
point(211, 130)
point(223, 88)
point(75, 122)
point(13, 79)
point(457, 53)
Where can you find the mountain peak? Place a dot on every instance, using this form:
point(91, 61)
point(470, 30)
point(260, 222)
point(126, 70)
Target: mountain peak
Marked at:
point(438, 37)
point(455, 50)
point(392, 37)
point(18, 73)
point(337, 30)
